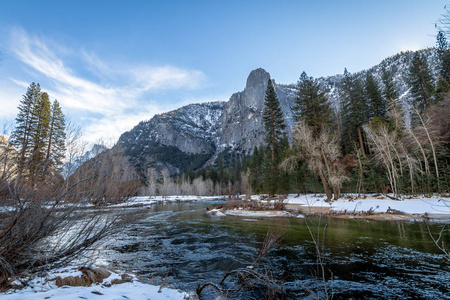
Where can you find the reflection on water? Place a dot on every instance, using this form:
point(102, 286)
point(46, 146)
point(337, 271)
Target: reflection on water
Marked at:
point(368, 259)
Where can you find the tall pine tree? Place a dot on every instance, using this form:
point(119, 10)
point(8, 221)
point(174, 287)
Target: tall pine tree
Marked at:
point(39, 133)
point(21, 137)
point(421, 82)
point(274, 126)
point(354, 111)
point(56, 147)
point(378, 105)
point(312, 104)
point(443, 54)
point(391, 96)
point(390, 91)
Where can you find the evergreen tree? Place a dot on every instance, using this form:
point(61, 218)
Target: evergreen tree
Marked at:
point(56, 147)
point(443, 54)
point(442, 88)
point(21, 137)
point(378, 105)
point(354, 111)
point(256, 172)
point(421, 82)
point(390, 95)
point(39, 133)
point(390, 92)
point(274, 126)
point(312, 105)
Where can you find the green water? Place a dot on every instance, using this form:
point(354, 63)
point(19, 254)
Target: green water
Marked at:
point(363, 259)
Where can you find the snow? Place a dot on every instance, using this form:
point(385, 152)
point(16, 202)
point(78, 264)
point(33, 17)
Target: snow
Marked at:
point(6, 209)
point(378, 204)
point(150, 200)
point(216, 213)
point(42, 288)
point(256, 214)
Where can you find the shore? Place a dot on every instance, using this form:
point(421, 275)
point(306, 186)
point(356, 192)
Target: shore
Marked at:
point(372, 207)
point(112, 287)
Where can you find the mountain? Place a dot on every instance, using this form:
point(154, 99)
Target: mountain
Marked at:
point(70, 166)
point(195, 135)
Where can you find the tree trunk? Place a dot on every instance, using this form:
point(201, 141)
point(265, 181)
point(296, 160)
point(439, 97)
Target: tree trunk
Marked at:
point(337, 193)
point(326, 187)
point(361, 141)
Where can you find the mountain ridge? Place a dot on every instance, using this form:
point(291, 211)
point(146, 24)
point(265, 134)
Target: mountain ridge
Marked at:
point(195, 134)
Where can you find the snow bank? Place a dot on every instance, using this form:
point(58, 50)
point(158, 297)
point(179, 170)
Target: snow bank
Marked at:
point(256, 214)
point(378, 204)
point(149, 200)
point(45, 288)
point(216, 213)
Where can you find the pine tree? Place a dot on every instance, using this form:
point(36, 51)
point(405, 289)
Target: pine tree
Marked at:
point(443, 54)
point(56, 147)
point(421, 82)
point(312, 105)
point(390, 95)
point(378, 106)
point(22, 135)
point(354, 111)
point(274, 126)
point(390, 92)
point(39, 134)
point(442, 88)
point(256, 172)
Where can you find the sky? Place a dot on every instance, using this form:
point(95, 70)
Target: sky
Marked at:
point(112, 64)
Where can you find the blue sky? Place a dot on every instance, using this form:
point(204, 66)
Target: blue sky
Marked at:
point(112, 64)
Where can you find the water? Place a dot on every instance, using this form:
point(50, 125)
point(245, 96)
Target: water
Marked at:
point(182, 245)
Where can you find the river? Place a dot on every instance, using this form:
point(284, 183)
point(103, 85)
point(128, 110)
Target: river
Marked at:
point(183, 246)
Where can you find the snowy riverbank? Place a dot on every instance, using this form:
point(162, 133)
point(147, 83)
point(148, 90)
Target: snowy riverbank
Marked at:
point(349, 206)
point(150, 200)
point(376, 203)
point(41, 288)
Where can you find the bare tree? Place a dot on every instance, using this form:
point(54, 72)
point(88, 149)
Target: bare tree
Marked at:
point(322, 156)
point(245, 184)
point(152, 176)
point(41, 231)
point(75, 147)
point(165, 182)
point(405, 149)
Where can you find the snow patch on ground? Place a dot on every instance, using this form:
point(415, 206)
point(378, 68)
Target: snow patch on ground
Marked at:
point(216, 213)
point(42, 288)
point(378, 204)
point(256, 214)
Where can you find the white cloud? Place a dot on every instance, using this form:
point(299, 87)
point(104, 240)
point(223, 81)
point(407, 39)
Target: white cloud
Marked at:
point(116, 106)
point(167, 77)
point(111, 128)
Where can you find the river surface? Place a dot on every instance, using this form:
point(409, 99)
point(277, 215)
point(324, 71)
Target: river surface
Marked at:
point(184, 247)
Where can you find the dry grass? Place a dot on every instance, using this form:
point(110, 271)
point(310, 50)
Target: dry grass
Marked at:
point(89, 277)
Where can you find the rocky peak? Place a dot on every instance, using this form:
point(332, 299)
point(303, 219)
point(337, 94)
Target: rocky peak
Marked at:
point(254, 93)
point(258, 78)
